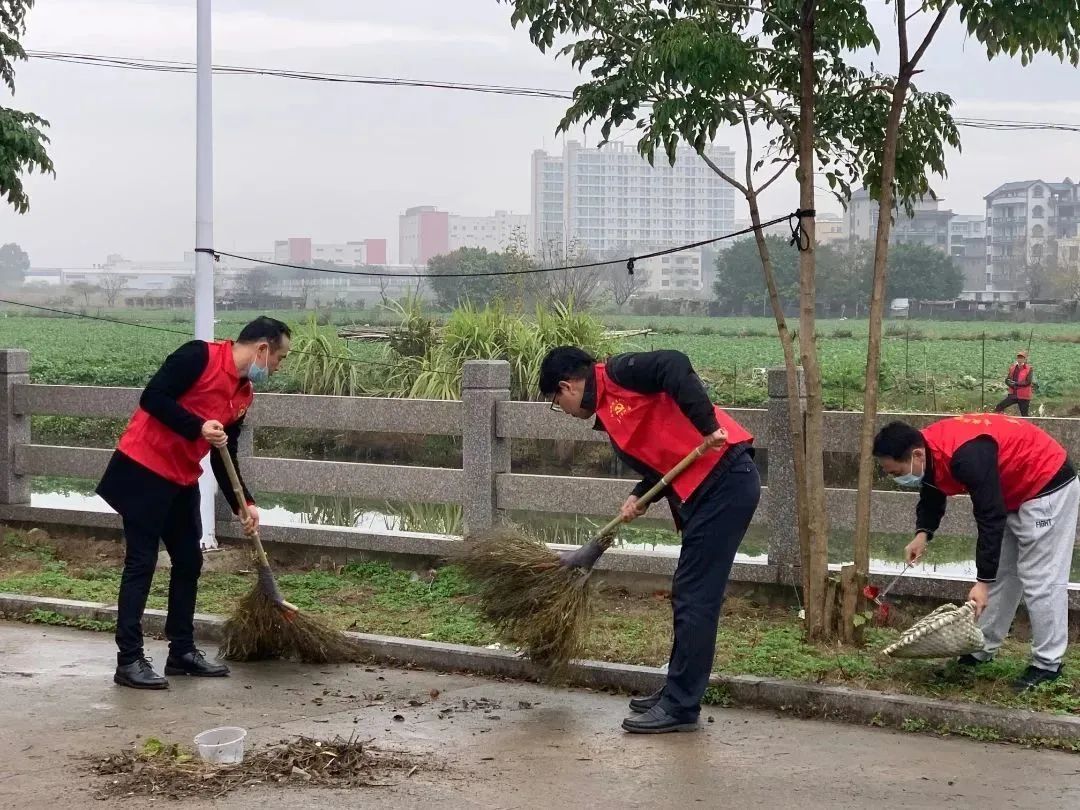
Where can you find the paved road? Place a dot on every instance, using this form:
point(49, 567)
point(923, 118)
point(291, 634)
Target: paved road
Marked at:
point(57, 702)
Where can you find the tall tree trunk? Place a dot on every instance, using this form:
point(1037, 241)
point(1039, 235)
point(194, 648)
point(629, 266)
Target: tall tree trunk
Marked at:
point(817, 563)
point(886, 204)
point(795, 414)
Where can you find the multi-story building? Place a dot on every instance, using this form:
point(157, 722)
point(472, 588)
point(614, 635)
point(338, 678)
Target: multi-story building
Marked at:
point(613, 199)
point(548, 188)
point(495, 233)
point(301, 250)
point(1025, 221)
point(424, 232)
point(676, 275)
point(927, 225)
point(967, 246)
point(830, 228)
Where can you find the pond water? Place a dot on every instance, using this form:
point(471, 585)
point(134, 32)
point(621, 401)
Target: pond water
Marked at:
point(954, 554)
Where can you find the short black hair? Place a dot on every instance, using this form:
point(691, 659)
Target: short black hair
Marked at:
point(564, 363)
point(896, 441)
point(265, 328)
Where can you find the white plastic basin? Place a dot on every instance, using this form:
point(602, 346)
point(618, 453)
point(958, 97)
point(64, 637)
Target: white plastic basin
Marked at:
point(221, 746)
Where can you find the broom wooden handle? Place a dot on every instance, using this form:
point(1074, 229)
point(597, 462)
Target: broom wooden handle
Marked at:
point(659, 486)
point(241, 499)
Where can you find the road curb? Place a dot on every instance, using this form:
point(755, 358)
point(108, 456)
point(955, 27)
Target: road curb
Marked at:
point(804, 699)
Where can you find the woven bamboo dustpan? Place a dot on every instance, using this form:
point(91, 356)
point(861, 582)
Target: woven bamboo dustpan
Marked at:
point(948, 631)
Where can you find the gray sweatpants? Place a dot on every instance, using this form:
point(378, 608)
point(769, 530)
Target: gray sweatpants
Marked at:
point(1036, 555)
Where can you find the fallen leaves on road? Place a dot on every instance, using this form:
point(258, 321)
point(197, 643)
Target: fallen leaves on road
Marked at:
point(171, 772)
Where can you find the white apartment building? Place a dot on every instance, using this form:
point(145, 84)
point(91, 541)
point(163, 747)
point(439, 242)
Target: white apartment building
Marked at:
point(967, 246)
point(612, 199)
point(677, 275)
point(424, 232)
point(548, 189)
point(1025, 221)
point(495, 233)
point(830, 228)
point(929, 225)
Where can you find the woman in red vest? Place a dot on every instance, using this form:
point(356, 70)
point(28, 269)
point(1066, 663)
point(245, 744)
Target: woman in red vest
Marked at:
point(1021, 383)
point(1025, 497)
point(196, 401)
point(655, 410)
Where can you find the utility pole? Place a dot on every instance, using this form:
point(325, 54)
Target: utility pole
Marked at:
point(204, 234)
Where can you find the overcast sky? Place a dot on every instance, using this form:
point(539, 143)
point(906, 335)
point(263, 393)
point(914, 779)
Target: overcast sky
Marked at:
point(339, 162)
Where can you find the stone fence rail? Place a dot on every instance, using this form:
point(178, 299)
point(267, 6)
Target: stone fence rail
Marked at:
point(488, 421)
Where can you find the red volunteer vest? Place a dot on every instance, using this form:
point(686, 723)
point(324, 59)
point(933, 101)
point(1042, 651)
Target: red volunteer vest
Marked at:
point(652, 429)
point(217, 394)
point(1023, 381)
point(1028, 457)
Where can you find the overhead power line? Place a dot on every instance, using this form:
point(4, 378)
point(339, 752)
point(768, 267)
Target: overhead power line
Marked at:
point(629, 260)
point(174, 66)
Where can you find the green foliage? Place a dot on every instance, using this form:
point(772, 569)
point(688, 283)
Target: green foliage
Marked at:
point(451, 292)
point(491, 333)
point(739, 280)
point(921, 272)
point(13, 264)
point(844, 273)
point(1024, 29)
point(323, 363)
point(689, 67)
point(22, 136)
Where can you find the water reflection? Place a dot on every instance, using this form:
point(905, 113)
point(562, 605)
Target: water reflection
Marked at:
point(949, 557)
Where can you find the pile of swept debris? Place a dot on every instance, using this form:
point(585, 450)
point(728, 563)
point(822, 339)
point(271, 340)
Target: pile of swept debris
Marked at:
point(170, 771)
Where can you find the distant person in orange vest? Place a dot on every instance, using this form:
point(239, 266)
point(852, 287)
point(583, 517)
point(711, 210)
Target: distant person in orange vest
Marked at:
point(1020, 382)
point(195, 402)
point(656, 410)
point(1025, 497)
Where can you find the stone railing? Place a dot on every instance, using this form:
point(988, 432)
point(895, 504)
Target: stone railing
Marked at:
point(488, 421)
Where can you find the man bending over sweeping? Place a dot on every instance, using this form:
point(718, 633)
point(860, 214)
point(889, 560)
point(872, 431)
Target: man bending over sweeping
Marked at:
point(196, 400)
point(1025, 496)
point(655, 411)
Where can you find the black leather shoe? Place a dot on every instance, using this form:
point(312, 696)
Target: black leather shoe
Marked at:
point(195, 663)
point(139, 675)
point(1035, 676)
point(657, 721)
point(640, 705)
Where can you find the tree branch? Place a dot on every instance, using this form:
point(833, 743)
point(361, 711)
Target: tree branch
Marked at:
point(945, 8)
point(901, 31)
point(783, 168)
point(723, 175)
point(749, 149)
point(764, 12)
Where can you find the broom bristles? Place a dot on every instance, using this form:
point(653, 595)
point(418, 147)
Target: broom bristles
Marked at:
point(530, 597)
point(260, 629)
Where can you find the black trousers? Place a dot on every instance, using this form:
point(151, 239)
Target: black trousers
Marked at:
point(715, 521)
point(180, 530)
point(1011, 399)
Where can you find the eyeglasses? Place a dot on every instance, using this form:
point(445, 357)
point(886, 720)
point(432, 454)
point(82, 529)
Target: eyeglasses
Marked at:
point(555, 403)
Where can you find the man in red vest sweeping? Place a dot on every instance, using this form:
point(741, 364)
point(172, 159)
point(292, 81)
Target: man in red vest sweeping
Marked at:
point(196, 401)
point(655, 411)
point(1020, 382)
point(1025, 497)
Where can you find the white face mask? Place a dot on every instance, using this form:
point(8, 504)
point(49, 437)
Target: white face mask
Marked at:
point(910, 479)
point(257, 374)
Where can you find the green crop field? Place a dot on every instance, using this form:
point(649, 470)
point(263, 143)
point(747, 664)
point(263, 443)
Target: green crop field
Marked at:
point(926, 366)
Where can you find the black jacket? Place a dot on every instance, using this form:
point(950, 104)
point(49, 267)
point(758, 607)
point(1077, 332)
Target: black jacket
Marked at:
point(139, 494)
point(975, 465)
point(664, 371)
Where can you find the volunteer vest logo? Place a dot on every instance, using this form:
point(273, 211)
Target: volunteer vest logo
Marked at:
point(619, 409)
